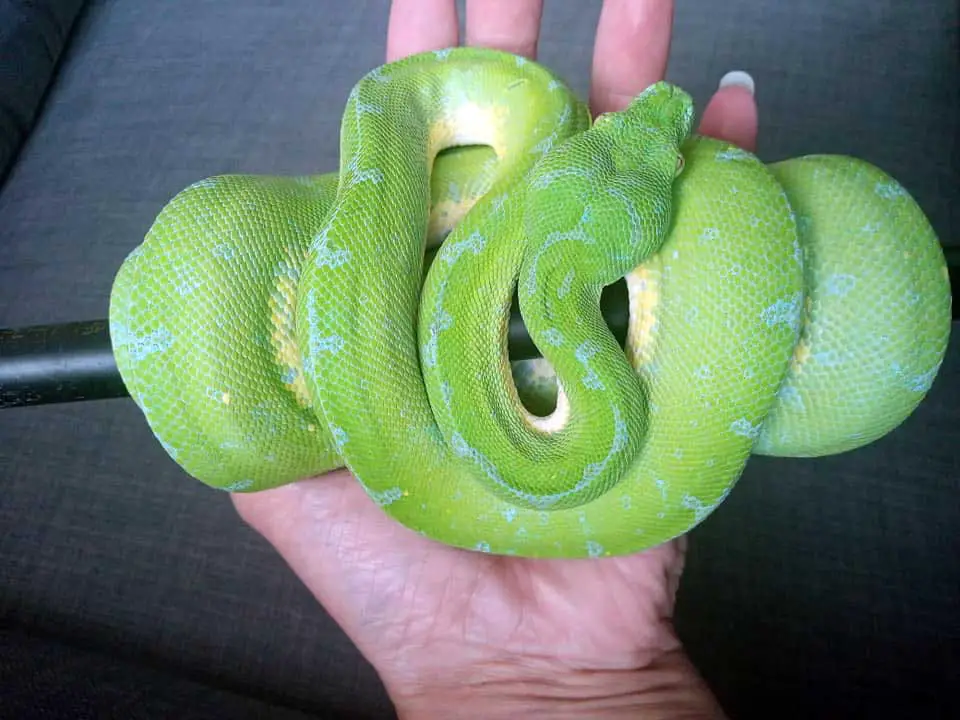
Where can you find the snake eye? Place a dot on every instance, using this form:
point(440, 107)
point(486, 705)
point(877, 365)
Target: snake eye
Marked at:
point(680, 164)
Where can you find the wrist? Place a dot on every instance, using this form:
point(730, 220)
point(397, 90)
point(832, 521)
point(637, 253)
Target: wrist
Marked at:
point(667, 688)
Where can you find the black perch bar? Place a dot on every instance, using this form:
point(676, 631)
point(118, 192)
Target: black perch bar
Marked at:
point(48, 364)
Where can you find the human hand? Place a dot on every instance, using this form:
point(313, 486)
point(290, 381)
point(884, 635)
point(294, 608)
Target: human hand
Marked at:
point(453, 632)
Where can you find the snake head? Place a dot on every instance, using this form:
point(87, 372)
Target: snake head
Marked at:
point(662, 109)
point(648, 133)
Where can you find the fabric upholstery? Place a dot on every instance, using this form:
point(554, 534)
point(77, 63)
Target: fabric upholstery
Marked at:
point(44, 677)
point(32, 38)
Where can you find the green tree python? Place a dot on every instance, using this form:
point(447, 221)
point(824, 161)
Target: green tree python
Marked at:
point(275, 328)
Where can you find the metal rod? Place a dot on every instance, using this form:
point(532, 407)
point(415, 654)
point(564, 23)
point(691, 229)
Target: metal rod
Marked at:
point(48, 364)
point(58, 364)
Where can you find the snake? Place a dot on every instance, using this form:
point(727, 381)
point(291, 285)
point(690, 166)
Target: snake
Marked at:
point(274, 328)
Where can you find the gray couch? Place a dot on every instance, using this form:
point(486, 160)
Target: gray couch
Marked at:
point(824, 588)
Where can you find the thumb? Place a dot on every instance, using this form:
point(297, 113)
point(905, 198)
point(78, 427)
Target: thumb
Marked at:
point(731, 114)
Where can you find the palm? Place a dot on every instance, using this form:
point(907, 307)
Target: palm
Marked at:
point(396, 593)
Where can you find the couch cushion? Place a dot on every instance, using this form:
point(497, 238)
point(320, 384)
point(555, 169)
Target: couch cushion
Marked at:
point(32, 38)
point(42, 677)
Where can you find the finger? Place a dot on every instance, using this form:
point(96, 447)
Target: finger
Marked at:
point(509, 25)
point(420, 25)
point(630, 54)
point(731, 114)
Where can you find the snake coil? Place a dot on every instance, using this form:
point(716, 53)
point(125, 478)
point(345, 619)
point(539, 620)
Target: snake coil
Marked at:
point(275, 328)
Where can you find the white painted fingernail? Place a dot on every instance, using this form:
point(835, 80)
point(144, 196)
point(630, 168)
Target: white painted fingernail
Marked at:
point(740, 79)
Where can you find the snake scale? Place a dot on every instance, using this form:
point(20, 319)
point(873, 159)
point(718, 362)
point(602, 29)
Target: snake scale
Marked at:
point(275, 328)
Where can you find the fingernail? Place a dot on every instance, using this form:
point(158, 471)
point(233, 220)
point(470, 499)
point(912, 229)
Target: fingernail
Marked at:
point(738, 78)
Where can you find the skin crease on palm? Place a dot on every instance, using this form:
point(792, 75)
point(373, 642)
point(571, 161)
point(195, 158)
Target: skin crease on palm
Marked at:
point(435, 620)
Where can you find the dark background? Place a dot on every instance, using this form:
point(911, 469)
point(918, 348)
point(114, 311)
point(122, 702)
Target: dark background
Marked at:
point(821, 588)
